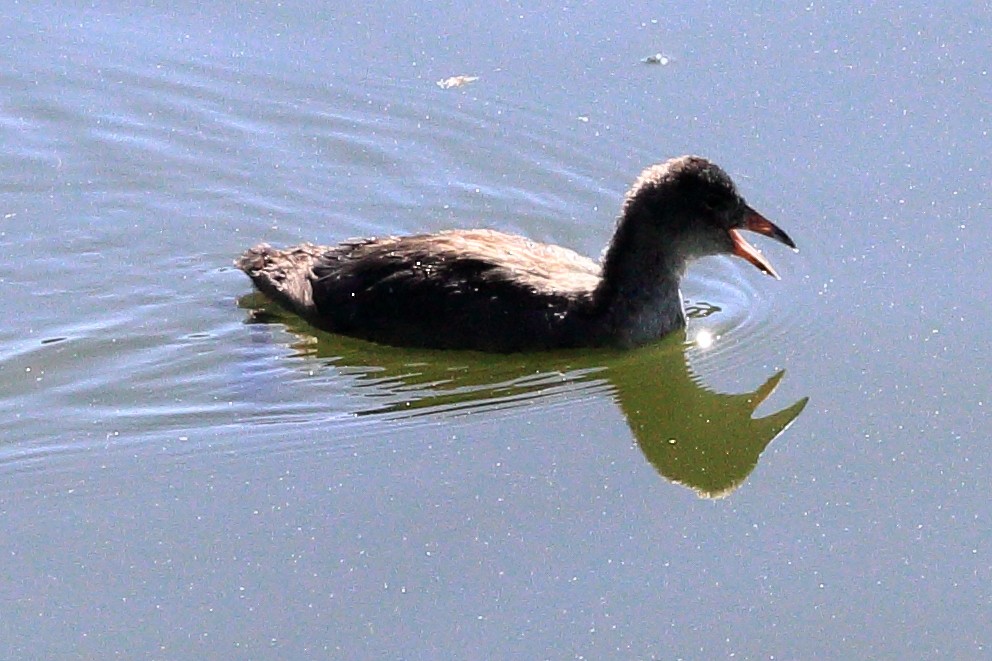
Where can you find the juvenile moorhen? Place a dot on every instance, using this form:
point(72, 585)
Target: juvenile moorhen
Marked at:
point(486, 290)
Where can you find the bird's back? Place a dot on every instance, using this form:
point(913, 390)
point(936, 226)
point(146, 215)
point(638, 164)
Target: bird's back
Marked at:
point(460, 289)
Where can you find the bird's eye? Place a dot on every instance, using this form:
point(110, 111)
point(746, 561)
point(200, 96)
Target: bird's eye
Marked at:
point(712, 203)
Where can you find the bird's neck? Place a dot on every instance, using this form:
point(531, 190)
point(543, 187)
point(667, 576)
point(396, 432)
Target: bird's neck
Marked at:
point(639, 291)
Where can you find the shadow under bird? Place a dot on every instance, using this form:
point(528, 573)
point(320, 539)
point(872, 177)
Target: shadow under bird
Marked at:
point(490, 291)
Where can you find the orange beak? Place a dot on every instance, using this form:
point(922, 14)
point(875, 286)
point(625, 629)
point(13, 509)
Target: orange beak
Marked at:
point(755, 222)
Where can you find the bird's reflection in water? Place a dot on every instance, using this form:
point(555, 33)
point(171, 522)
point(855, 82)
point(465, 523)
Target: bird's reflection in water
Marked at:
point(707, 441)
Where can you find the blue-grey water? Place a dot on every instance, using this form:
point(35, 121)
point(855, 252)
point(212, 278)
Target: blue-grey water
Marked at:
point(187, 473)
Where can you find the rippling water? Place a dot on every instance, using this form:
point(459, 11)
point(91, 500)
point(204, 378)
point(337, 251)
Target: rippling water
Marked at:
point(190, 473)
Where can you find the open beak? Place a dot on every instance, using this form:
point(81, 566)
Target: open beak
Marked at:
point(755, 222)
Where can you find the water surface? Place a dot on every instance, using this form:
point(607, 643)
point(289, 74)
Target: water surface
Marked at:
point(187, 475)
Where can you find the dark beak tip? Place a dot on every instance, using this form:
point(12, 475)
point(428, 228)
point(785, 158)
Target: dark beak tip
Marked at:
point(755, 222)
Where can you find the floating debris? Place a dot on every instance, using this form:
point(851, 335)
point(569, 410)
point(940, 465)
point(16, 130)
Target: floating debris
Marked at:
point(456, 81)
point(657, 58)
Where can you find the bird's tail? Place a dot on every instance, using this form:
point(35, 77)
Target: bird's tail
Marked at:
point(285, 276)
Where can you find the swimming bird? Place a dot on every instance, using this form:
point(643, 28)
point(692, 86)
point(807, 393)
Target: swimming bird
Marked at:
point(486, 290)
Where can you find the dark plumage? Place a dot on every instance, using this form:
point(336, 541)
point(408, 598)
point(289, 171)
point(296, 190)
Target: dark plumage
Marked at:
point(486, 290)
